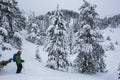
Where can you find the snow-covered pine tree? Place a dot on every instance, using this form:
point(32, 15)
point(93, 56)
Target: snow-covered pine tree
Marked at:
point(33, 32)
point(108, 38)
point(37, 56)
point(12, 20)
point(111, 46)
point(42, 29)
point(116, 43)
point(90, 52)
point(56, 32)
point(17, 38)
point(5, 27)
point(70, 36)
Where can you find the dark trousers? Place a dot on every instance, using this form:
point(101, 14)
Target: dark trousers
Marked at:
point(19, 68)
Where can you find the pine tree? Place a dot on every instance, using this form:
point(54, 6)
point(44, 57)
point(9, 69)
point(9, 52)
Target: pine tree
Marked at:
point(116, 43)
point(12, 20)
point(37, 54)
point(90, 52)
point(17, 38)
point(108, 38)
point(33, 32)
point(111, 46)
point(57, 57)
point(70, 36)
point(4, 28)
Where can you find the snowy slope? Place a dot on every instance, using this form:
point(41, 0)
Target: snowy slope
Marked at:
point(34, 70)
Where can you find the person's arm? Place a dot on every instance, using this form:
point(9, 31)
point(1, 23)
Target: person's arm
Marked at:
point(22, 60)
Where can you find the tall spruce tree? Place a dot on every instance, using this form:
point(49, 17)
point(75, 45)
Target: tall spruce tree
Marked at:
point(70, 36)
point(57, 57)
point(90, 52)
point(34, 30)
point(12, 21)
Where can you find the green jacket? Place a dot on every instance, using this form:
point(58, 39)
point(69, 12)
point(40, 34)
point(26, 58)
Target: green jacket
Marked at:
point(18, 59)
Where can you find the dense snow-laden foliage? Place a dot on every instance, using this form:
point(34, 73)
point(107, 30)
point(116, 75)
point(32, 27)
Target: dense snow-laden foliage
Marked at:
point(90, 52)
point(3, 31)
point(70, 36)
point(17, 40)
point(56, 46)
point(35, 31)
point(11, 21)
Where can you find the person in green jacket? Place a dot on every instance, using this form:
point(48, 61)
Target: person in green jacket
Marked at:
point(19, 61)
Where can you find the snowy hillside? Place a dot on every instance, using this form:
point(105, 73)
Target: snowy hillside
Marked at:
point(34, 70)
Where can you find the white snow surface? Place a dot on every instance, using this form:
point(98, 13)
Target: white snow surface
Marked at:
point(34, 70)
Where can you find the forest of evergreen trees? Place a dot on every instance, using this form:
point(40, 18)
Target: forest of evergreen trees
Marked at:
point(61, 32)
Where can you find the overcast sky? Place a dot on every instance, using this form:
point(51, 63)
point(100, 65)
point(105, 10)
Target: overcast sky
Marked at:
point(104, 7)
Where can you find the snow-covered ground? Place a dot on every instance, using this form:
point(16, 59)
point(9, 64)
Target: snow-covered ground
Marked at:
point(34, 70)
